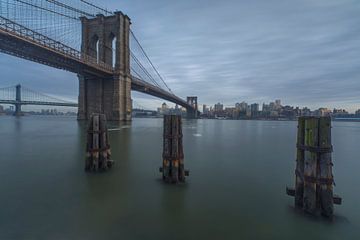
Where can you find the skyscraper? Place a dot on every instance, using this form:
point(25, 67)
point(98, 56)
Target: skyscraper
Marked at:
point(278, 103)
point(219, 107)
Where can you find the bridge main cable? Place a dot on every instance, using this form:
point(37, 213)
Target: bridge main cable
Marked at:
point(147, 57)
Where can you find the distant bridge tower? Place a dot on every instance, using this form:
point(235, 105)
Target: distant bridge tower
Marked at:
point(192, 113)
point(18, 101)
point(106, 38)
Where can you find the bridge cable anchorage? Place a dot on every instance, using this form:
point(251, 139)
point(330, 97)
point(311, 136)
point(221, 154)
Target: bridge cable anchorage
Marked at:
point(147, 57)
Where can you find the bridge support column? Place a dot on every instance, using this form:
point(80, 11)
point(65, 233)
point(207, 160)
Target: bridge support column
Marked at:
point(90, 97)
point(18, 110)
point(111, 97)
point(18, 100)
point(121, 102)
point(82, 109)
point(191, 114)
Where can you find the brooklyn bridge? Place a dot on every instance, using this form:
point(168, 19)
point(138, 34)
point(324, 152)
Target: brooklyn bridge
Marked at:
point(96, 44)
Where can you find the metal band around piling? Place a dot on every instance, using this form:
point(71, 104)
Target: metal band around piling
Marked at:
point(173, 136)
point(320, 181)
point(99, 149)
point(315, 149)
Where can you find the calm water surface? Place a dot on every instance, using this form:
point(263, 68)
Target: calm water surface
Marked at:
point(236, 189)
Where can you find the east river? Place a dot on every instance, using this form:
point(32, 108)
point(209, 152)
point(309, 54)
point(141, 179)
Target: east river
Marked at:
point(236, 189)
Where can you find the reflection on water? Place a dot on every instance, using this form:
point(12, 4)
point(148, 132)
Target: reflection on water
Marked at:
point(236, 189)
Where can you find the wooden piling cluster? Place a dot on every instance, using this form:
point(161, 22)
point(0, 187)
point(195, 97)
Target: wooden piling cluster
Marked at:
point(98, 147)
point(173, 156)
point(314, 180)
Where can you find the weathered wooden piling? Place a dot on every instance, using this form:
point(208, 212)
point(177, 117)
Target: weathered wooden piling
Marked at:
point(325, 184)
point(314, 180)
point(173, 155)
point(299, 181)
point(98, 147)
point(311, 161)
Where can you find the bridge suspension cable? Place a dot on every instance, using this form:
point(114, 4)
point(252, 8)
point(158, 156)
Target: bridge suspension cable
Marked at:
point(56, 19)
point(8, 93)
point(28, 94)
point(137, 53)
point(97, 7)
point(148, 59)
point(143, 69)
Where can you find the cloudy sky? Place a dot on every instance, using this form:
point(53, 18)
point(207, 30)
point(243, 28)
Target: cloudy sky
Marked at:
point(304, 52)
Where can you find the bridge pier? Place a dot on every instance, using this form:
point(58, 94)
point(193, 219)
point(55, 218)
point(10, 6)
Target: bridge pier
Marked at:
point(18, 111)
point(191, 114)
point(18, 100)
point(107, 40)
point(111, 97)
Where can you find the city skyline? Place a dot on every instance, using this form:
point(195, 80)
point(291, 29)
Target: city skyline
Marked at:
point(136, 105)
point(260, 106)
point(305, 52)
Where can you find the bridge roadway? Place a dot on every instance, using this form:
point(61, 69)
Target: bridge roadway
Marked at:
point(25, 43)
point(136, 84)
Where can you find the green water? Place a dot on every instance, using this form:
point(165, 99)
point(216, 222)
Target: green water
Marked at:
point(236, 189)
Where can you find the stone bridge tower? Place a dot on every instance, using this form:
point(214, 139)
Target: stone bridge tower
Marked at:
point(193, 112)
point(106, 38)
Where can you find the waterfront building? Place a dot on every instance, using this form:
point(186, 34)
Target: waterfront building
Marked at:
point(278, 103)
point(306, 112)
point(229, 112)
point(339, 112)
point(322, 112)
point(219, 107)
point(254, 108)
point(164, 107)
point(241, 106)
point(248, 112)
point(205, 109)
point(289, 112)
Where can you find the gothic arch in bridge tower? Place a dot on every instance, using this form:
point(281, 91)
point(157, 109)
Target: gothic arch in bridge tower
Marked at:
point(94, 47)
point(108, 94)
point(111, 43)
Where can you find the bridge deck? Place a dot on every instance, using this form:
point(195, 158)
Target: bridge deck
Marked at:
point(144, 87)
